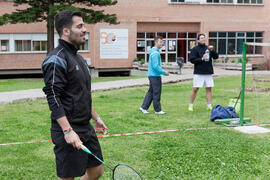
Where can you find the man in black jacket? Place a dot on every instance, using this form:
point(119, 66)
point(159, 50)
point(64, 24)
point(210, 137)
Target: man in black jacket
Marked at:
point(201, 56)
point(68, 89)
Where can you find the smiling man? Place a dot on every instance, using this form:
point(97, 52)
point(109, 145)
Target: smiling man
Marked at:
point(68, 90)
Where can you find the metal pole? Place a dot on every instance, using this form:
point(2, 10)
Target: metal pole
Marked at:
point(243, 85)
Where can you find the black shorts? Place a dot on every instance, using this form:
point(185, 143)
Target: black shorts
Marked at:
point(71, 162)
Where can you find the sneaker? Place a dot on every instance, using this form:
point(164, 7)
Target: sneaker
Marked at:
point(143, 111)
point(160, 112)
point(190, 108)
point(209, 108)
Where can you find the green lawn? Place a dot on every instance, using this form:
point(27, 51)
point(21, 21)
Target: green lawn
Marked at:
point(218, 153)
point(24, 84)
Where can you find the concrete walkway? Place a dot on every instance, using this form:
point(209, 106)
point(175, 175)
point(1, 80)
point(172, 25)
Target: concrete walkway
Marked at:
point(187, 74)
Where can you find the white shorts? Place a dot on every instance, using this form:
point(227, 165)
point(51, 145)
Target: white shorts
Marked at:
point(200, 80)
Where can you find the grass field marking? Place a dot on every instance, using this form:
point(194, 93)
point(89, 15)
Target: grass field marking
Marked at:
point(128, 134)
point(26, 142)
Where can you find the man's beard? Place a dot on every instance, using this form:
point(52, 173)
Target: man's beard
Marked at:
point(75, 41)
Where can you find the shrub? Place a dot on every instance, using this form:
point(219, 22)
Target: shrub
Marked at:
point(239, 60)
point(139, 60)
point(216, 60)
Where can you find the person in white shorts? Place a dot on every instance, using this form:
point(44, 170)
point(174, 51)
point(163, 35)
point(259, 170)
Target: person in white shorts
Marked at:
point(201, 80)
point(201, 56)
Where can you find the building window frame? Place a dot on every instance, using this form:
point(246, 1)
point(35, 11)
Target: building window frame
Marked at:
point(7, 46)
point(42, 46)
point(85, 46)
point(169, 39)
point(216, 38)
point(33, 43)
point(22, 45)
point(219, 2)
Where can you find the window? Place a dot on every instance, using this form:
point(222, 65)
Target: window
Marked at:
point(22, 45)
point(250, 1)
point(177, 0)
point(186, 1)
point(28, 45)
point(39, 45)
point(140, 45)
point(230, 43)
point(220, 1)
point(84, 47)
point(36, 45)
point(31, 43)
point(4, 45)
point(175, 44)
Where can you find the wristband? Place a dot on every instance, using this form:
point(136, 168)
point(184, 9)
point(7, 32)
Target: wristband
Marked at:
point(98, 119)
point(67, 130)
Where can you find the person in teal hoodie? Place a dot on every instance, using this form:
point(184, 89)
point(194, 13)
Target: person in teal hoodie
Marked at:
point(154, 75)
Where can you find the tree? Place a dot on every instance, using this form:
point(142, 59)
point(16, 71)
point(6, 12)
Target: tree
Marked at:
point(45, 10)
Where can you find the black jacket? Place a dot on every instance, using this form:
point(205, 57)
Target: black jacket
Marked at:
point(200, 66)
point(68, 87)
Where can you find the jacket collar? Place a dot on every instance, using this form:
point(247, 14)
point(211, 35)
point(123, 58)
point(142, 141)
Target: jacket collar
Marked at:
point(68, 46)
point(201, 45)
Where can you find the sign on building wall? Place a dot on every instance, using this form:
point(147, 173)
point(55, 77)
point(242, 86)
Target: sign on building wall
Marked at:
point(113, 43)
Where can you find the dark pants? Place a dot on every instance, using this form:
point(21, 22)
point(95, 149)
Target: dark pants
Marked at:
point(153, 94)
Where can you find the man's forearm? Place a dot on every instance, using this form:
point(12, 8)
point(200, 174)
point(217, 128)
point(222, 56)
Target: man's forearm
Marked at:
point(95, 115)
point(63, 123)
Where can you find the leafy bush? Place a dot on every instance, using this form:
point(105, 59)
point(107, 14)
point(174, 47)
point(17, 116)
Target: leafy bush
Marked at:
point(140, 60)
point(226, 59)
point(239, 60)
point(216, 60)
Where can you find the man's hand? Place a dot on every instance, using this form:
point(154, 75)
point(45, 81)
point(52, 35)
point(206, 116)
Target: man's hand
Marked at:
point(211, 48)
point(73, 139)
point(100, 127)
point(204, 57)
point(167, 73)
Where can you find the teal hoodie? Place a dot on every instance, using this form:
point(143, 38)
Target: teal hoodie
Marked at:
point(154, 64)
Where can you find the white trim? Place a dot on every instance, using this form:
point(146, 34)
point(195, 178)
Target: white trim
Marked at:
point(23, 52)
point(257, 44)
point(214, 3)
point(54, 95)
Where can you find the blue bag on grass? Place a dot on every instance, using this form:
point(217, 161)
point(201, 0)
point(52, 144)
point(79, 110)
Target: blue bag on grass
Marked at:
point(219, 112)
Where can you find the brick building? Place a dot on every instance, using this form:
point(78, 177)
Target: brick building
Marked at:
point(226, 23)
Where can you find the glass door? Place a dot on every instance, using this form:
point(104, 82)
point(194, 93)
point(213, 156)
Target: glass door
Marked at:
point(171, 49)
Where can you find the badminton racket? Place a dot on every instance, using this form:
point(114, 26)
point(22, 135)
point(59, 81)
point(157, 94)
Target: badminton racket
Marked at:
point(121, 171)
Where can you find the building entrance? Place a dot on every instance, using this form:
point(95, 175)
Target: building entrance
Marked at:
point(175, 44)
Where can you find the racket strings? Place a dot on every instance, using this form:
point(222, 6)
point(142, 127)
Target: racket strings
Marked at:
point(123, 172)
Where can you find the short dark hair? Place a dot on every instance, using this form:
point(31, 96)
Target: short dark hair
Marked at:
point(199, 35)
point(63, 19)
point(157, 38)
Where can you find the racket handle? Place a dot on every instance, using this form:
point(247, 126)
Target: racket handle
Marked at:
point(85, 149)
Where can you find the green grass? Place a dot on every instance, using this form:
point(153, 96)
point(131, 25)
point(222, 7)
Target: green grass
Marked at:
point(24, 84)
point(20, 84)
point(219, 153)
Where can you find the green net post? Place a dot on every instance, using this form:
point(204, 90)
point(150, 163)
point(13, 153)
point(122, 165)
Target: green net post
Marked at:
point(243, 85)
